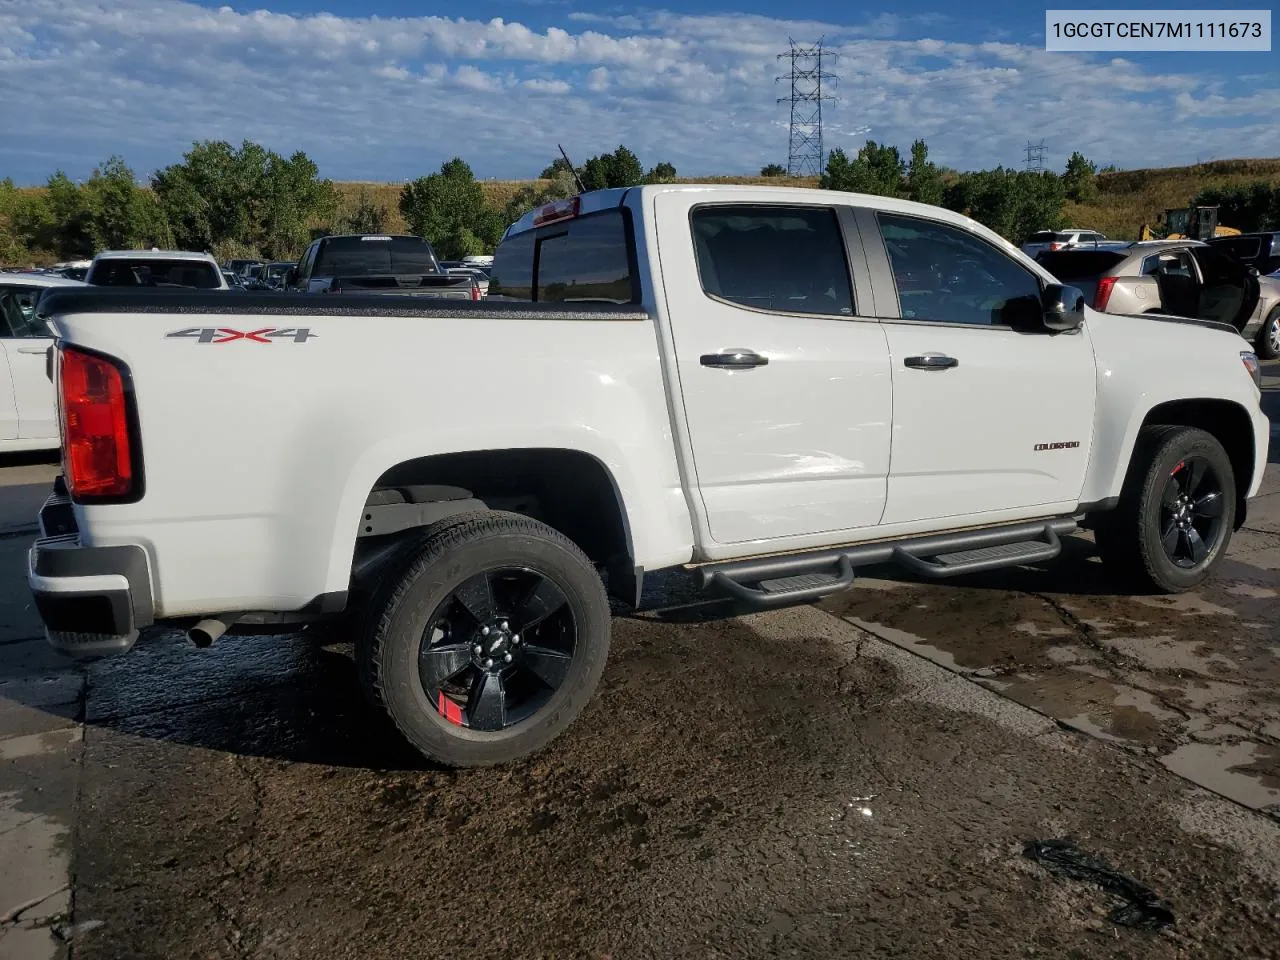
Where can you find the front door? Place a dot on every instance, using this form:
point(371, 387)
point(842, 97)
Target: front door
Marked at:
point(784, 378)
point(990, 415)
point(27, 342)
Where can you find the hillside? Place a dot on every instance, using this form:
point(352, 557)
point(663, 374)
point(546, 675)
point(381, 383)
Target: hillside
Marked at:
point(1126, 198)
point(1129, 198)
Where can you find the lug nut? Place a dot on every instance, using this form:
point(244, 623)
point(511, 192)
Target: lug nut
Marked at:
point(477, 649)
point(484, 631)
point(488, 663)
point(504, 625)
point(507, 658)
point(515, 638)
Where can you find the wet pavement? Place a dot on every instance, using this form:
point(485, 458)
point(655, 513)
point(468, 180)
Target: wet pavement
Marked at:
point(857, 778)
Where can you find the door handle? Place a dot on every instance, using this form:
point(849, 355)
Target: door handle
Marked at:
point(931, 361)
point(733, 359)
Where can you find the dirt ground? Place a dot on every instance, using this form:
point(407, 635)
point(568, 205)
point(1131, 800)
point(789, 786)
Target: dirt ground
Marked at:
point(857, 779)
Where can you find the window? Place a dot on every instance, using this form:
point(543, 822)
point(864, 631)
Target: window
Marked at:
point(1172, 263)
point(1242, 248)
point(141, 272)
point(308, 262)
point(1068, 265)
point(584, 259)
point(374, 256)
point(18, 312)
point(948, 275)
point(788, 259)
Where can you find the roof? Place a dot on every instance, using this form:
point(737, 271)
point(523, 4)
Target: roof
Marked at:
point(597, 200)
point(155, 255)
point(38, 279)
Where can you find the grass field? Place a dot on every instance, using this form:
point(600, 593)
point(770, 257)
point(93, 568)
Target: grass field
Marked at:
point(1126, 198)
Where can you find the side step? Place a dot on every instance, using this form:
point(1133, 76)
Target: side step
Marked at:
point(766, 583)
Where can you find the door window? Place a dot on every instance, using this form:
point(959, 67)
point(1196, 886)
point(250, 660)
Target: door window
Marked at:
point(18, 312)
point(947, 275)
point(784, 259)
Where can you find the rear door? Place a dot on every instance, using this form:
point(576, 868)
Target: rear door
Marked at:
point(992, 416)
point(1229, 289)
point(783, 370)
point(26, 344)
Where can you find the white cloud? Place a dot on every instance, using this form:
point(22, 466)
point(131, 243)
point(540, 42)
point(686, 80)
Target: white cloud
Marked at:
point(144, 78)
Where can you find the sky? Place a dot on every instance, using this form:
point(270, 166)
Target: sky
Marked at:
point(389, 89)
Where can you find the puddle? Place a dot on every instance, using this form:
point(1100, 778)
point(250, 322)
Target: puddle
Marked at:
point(1247, 772)
point(909, 641)
point(1168, 653)
point(1091, 704)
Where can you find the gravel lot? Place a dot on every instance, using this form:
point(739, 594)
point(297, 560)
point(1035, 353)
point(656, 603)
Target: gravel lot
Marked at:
point(856, 778)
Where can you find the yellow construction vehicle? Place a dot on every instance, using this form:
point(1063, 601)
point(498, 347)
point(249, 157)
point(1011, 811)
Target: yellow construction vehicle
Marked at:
point(1188, 223)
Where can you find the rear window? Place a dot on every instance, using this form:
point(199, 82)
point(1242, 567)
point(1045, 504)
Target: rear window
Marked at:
point(585, 259)
point(374, 256)
point(1242, 248)
point(1044, 236)
point(1079, 264)
point(143, 272)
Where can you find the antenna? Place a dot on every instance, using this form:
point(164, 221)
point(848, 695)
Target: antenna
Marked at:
point(572, 169)
point(805, 153)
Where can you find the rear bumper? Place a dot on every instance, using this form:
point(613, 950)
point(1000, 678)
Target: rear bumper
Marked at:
point(93, 600)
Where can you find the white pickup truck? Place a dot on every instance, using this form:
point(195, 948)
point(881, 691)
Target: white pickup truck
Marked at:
point(752, 391)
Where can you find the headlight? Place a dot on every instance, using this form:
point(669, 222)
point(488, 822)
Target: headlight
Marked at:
point(1250, 361)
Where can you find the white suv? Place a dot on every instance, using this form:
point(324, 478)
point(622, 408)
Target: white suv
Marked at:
point(1044, 240)
point(156, 268)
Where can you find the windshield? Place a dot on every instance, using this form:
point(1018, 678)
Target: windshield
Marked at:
point(374, 256)
point(277, 269)
point(143, 272)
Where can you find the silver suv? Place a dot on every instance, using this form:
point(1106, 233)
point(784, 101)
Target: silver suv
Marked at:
point(1182, 278)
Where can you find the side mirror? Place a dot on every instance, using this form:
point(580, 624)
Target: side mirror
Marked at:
point(1063, 307)
point(291, 276)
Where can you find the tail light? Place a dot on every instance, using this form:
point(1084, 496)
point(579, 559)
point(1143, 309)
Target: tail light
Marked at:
point(475, 291)
point(1103, 293)
point(1056, 245)
point(98, 430)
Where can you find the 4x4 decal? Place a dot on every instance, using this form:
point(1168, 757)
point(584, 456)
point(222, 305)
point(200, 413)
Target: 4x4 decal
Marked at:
point(227, 335)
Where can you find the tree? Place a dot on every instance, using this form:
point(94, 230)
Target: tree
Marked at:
point(924, 180)
point(662, 173)
point(876, 170)
point(529, 197)
point(556, 167)
point(69, 232)
point(1078, 179)
point(1012, 203)
point(621, 168)
point(448, 209)
point(773, 170)
point(248, 195)
point(360, 214)
point(122, 215)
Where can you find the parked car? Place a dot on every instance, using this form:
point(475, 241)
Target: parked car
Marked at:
point(275, 276)
point(240, 266)
point(1183, 278)
point(233, 280)
point(27, 418)
point(706, 389)
point(377, 263)
point(1047, 240)
point(155, 268)
point(1259, 250)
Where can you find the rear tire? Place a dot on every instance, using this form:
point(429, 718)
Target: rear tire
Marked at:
point(1267, 346)
point(1176, 513)
point(467, 698)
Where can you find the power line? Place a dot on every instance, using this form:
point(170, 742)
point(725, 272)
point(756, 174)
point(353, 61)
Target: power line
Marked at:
point(805, 153)
point(1035, 156)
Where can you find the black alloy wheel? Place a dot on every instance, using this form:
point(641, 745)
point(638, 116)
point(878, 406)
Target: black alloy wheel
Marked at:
point(497, 648)
point(1192, 509)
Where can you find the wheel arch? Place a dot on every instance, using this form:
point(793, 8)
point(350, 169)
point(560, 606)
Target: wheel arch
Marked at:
point(571, 490)
point(1227, 421)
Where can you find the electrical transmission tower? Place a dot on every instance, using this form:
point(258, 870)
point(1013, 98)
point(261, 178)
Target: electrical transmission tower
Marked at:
point(805, 155)
point(1035, 156)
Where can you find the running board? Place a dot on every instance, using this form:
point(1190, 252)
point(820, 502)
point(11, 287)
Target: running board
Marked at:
point(766, 583)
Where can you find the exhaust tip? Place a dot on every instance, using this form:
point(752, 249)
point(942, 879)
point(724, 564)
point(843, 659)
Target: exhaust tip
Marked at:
point(205, 632)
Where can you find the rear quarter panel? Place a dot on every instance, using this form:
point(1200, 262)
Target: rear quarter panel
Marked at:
point(258, 457)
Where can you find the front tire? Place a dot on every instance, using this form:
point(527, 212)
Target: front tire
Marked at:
point(1176, 513)
point(1267, 345)
point(487, 641)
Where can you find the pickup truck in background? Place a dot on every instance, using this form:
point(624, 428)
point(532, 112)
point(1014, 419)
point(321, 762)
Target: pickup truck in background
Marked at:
point(377, 264)
point(750, 392)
